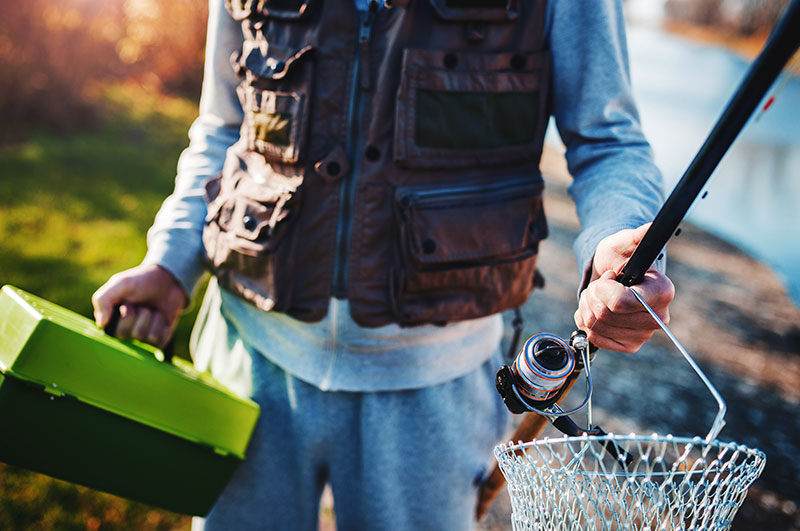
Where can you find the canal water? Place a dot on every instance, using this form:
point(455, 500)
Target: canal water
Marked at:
point(681, 88)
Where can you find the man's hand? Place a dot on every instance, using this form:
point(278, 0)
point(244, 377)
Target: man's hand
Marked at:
point(607, 311)
point(149, 300)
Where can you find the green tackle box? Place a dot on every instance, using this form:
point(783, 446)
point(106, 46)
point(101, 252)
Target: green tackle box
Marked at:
point(82, 406)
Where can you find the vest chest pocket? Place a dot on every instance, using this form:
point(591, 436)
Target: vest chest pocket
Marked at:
point(459, 109)
point(466, 251)
point(275, 98)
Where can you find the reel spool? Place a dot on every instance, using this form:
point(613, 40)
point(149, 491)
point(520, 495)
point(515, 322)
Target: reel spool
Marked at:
point(542, 366)
point(538, 377)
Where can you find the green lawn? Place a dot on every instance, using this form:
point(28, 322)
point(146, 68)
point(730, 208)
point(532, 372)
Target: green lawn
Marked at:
point(74, 210)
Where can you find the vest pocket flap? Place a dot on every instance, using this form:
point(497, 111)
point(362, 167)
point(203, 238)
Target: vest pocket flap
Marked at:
point(470, 225)
point(476, 10)
point(251, 221)
point(275, 65)
point(433, 61)
point(459, 110)
point(252, 214)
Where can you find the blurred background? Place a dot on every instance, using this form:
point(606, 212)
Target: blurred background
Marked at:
point(95, 102)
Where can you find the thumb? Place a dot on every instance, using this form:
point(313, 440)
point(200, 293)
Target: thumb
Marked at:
point(608, 275)
point(640, 231)
point(614, 251)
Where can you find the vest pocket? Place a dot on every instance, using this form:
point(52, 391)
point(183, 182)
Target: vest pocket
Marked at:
point(275, 97)
point(246, 221)
point(459, 110)
point(466, 251)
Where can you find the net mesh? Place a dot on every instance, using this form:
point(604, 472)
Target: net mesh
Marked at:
point(645, 483)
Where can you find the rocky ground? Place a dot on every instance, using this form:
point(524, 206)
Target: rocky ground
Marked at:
point(732, 314)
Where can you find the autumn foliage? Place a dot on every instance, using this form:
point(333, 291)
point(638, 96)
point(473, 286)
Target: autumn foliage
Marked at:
point(53, 54)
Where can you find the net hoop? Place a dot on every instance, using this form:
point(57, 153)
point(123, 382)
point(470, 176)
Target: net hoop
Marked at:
point(575, 483)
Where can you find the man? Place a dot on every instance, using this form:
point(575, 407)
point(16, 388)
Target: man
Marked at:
point(379, 205)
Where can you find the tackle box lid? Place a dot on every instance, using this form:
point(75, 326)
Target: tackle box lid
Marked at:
point(68, 355)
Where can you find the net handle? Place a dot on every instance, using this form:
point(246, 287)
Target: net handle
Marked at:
point(719, 421)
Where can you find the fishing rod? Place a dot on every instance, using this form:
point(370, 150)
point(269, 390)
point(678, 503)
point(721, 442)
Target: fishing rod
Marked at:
point(781, 46)
point(547, 367)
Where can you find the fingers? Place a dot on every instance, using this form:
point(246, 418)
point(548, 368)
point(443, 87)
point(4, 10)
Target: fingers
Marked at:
point(144, 324)
point(618, 339)
point(127, 320)
point(614, 319)
point(157, 332)
point(122, 287)
point(150, 301)
point(106, 298)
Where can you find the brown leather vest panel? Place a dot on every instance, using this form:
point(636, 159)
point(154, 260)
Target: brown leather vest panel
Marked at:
point(410, 151)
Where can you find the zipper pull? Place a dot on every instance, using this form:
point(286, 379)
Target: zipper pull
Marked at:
point(363, 44)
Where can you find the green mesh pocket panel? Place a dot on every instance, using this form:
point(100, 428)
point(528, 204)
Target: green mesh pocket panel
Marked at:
point(475, 120)
point(272, 128)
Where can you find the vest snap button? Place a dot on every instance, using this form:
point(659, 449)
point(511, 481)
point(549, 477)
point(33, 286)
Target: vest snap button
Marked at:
point(428, 246)
point(450, 60)
point(372, 153)
point(518, 61)
point(333, 168)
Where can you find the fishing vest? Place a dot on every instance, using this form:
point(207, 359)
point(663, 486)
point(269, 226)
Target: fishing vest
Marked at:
point(389, 157)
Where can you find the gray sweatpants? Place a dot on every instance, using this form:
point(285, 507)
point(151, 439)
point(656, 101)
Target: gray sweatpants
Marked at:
point(397, 460)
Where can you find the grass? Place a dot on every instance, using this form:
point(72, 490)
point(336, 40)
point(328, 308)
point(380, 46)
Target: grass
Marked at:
point(73, 211)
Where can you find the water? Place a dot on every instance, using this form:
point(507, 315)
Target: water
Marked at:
point(681, 88)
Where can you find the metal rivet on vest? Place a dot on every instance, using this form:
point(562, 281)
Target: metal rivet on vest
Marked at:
point(518, 61)
point(333, 168)
point(428, 246)
point(249, 222)
point(372, 153)
point(450, 60)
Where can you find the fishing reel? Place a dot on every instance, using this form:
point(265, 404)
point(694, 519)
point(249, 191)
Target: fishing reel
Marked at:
point(542, 373)
point(539, 375)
